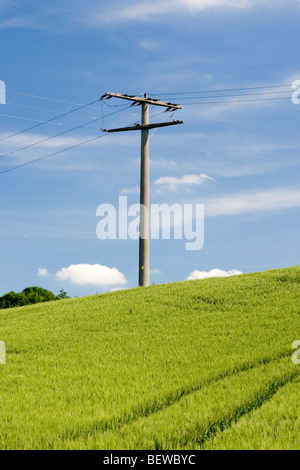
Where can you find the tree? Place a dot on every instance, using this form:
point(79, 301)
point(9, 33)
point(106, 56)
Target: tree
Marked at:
point(30, 295)
point(36, 295)
point(11, 299)
point(62, 295)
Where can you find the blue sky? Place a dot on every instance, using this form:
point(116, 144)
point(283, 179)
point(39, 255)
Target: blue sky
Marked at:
point(247, 143)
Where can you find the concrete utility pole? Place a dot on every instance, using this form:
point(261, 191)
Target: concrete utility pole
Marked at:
point(144, 252)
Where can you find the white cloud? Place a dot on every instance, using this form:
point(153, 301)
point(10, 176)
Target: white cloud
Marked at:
point(116, 289)
point(94, 13)
point(93, 275)
point(199, 5)
point(38, 141)
point(147, 10)
point(150, 45)
point(172, 183)
point(133, 190)
point(213, 273)
point(162, 162)
point(42, 272)
point(15, 23)
point(263, 201)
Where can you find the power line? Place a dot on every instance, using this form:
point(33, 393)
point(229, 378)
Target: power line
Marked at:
point(102, 117)
point(113, 105)
point(158, 94)
point(238, 101)
point(51, 154)
point(32, 107)
point(40, 109)
point(49, 120)
point(44, 98)
point(237, 95)
point(27, 119)
point(46, 139)
point(222, 90)
point(58, 135)
point(122, 106)
point(158, 114)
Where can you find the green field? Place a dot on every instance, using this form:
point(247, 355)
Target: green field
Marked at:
point(191, 365)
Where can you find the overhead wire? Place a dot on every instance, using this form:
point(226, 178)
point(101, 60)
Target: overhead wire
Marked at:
point(57, 135)
point(222, 90)
point(81, 106)
point(236, 95)
point(26, 119)
point(113, 105)
point(158, 114)
point(49, 120)
point(238, 101)
point(44, 98)
point(32, 107)
point(51, 154)
point(40, 109)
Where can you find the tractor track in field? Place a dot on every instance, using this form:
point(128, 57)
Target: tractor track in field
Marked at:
point(162, 403)
point(228, 421)
point(244, 410)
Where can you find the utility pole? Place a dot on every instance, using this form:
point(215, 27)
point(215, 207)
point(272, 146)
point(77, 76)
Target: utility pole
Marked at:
point(144, 242)
point(144, 251)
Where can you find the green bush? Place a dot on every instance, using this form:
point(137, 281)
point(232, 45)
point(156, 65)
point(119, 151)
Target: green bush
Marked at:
point(30, 295)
